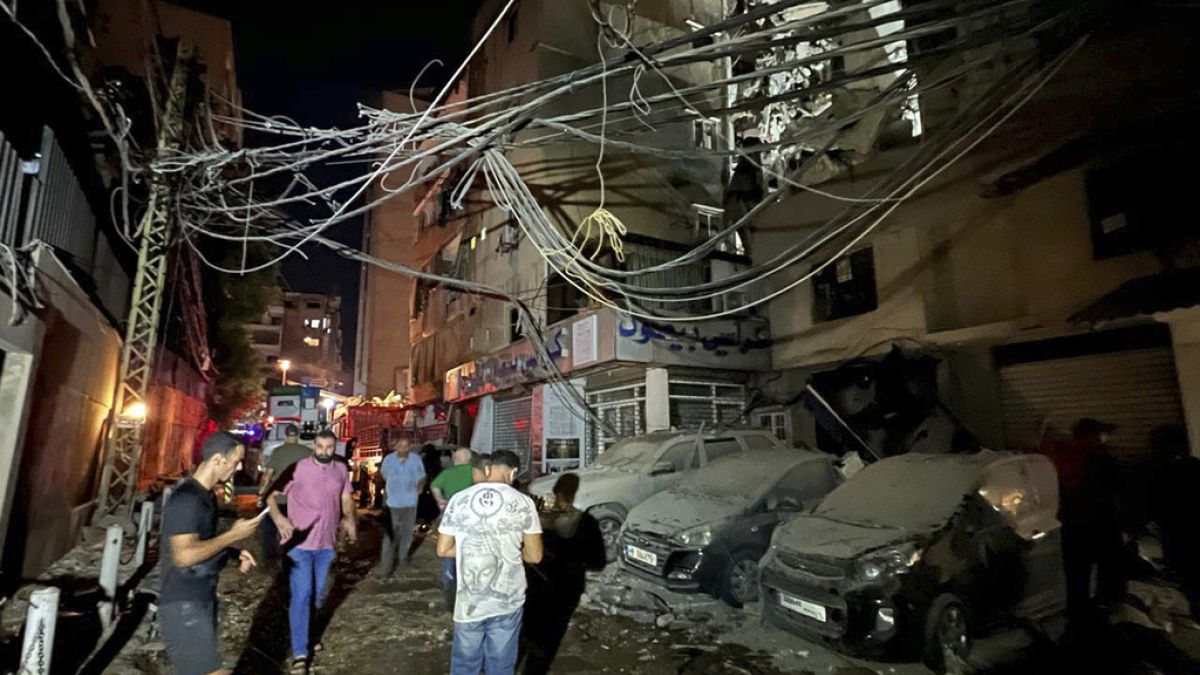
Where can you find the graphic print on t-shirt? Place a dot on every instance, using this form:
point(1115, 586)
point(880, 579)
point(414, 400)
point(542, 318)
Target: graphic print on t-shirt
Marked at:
point(488, 522)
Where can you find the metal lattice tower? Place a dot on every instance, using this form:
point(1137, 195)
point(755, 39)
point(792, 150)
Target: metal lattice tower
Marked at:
point(123, 449)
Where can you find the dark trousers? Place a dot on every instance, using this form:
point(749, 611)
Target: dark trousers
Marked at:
point(549, 606)
point(397, 539)
point(1089, 547)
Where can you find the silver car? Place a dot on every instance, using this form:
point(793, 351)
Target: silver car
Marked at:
point(634, 469)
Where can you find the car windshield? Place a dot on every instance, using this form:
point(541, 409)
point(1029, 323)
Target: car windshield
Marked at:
point(629, 455)
point(911, 495)
point(733, 478)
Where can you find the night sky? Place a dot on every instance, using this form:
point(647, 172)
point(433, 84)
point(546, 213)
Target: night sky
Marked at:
point(313, 66)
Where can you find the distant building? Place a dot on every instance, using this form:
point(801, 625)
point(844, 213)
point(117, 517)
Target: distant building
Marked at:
point(304, 329)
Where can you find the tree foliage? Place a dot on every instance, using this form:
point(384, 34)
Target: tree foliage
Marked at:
point(240, 299)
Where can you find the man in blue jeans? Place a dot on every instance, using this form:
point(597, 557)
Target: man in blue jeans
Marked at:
point(319, 500)
point(490, 529)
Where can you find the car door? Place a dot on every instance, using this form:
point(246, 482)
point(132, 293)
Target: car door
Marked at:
point(682, 455)
point(716, 448)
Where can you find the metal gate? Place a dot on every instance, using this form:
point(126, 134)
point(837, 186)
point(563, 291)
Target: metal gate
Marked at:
point(623, 409)
point(1135, 389)
point(512, 428)
point(712, 404)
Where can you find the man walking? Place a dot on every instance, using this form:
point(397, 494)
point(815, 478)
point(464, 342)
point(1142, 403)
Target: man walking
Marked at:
point(320, 500)
point(282, 457)
point(404, 476)
point(447, 484)
point(489, 529)
point(193, 555)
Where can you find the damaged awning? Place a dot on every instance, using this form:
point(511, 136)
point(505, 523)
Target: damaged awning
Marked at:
point(1144, 297)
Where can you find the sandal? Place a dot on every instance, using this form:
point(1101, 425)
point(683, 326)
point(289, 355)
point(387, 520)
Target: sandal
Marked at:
point(299, 665)
point(318, 648)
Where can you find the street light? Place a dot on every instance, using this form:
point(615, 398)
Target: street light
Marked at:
point(134, 415)
point(284, 364)
point(328, 403)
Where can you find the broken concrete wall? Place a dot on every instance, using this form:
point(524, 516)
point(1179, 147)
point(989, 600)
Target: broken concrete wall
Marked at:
point(73, 393)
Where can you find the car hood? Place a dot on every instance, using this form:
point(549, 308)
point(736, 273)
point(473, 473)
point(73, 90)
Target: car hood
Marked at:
point(811, 535)
point(668, 513)
point(591, 481)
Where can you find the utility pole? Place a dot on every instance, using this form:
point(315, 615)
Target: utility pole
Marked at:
point(123, 449)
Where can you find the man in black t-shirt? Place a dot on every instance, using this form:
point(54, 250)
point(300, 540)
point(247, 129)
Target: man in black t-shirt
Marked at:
point(193, 555)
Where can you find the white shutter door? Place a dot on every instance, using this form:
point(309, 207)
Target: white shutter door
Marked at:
point(1135, 389)
point(512, 428)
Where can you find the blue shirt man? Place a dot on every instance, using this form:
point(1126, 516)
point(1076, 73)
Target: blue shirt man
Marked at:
point(404, 477)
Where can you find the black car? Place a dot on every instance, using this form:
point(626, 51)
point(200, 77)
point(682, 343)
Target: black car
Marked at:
point(916, 554)
point(708, 532)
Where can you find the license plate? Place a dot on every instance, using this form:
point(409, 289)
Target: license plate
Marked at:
point(803, 607)
point(641, 555)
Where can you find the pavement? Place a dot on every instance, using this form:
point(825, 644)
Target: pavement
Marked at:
point(623, 625)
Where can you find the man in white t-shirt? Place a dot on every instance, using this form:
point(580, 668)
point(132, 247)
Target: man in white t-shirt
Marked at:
point(491, 530)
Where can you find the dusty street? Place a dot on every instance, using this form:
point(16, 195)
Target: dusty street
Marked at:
point(399, 625)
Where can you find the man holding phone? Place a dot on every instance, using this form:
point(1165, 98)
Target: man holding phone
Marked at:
point(319, 502)
point(193, 555)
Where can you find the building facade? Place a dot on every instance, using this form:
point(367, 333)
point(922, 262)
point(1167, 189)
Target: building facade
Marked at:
point(1047, 268)
point(667, 206)
point(304, 330)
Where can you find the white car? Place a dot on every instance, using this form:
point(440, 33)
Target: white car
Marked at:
point(634, 469)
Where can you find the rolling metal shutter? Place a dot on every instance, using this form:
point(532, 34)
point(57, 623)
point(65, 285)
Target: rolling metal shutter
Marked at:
point(512, 427)
point(712, 404)
point(1135, 389)
point(623, 409)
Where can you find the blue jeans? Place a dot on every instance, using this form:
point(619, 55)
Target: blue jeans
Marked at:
point(490, 645)
point(308, 577)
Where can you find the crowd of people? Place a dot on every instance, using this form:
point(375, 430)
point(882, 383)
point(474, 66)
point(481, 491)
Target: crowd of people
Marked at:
point(499, 554)
point(1105, 508)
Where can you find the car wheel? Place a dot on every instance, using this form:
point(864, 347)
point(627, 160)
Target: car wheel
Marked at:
point(947, 633)
point(610, 529)
point(741, 579)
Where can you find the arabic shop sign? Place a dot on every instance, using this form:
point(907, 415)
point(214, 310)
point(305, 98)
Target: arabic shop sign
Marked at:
point(516, 365)
point(731, 344)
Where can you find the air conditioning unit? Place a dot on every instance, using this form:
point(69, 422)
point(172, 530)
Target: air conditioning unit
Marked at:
point(728, 302)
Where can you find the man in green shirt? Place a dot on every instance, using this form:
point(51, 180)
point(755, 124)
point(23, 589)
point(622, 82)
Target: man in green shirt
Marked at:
point(453, 480)
point(282, 457)
point(448, 483)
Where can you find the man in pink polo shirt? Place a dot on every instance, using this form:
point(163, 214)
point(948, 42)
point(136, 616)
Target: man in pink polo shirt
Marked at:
point(318, 494)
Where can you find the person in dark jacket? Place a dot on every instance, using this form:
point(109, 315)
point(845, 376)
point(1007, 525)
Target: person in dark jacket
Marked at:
point(573, 547)
point(1174, 507)
point(1091, 533)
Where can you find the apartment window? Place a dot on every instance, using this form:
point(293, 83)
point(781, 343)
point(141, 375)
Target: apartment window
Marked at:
point(846, 288)
point(515, 330)
point(775, 421)
point(312, 304)
point(289, 304)
point(708, 221)
point(706, 133)
point(1119, 198)
point(312, 323)
point(272, 359)
point(312, 341)
point(277, 321)
point(265, 338)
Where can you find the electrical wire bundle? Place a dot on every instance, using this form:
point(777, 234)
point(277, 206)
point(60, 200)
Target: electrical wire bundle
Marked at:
point(771, 58)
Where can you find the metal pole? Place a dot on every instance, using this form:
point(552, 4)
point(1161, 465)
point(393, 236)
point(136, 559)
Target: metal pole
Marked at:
point(144, 526)
point(836, 416)
point(110, 564)
point(124, 445)
point(40, 620)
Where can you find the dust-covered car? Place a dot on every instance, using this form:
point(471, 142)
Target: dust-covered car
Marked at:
point(709, 532)
point(633, 469)
point(917, 553)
